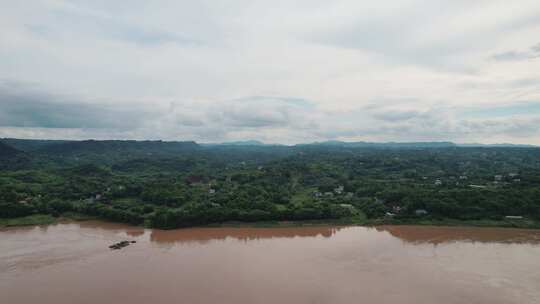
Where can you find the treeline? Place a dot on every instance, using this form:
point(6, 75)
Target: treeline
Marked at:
point(166, 218)
point(202, 214)
point(187, 185)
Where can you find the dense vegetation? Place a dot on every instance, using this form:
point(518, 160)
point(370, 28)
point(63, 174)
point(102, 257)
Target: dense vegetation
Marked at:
point(179, 184)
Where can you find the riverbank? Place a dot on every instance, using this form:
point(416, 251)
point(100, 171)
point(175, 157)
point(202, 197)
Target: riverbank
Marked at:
point(351, 221)
point(505, 223)
point(525, 224)
point(36, 219)
point(43, 219)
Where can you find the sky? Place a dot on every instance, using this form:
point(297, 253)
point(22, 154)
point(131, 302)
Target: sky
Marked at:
point(276, 71)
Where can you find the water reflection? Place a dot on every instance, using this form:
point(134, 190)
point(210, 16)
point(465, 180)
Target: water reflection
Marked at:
point(204, 235)
point(71, 263)
point(133, 231)
point(409, 234)
point(441, 235)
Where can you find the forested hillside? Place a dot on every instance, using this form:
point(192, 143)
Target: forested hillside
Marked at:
point(7, 151)
point(178, 184)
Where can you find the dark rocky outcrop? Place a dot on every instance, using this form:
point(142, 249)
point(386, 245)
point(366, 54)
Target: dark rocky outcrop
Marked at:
point(121, 245)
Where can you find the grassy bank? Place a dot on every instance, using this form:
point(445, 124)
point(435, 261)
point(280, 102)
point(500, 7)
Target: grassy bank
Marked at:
point(43, 219)
point(523, 223)
point(361, 220)
point(355, 221)
point(36, 219)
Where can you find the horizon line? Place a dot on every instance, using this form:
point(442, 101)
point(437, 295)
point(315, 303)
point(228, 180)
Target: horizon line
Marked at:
point(260, 142)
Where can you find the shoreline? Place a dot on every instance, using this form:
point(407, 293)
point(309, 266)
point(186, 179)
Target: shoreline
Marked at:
point(45, 219)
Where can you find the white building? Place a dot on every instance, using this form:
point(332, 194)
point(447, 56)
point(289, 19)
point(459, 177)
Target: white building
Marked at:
point(420, 212)
point(339, 189)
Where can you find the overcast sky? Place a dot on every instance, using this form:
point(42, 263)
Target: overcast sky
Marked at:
point(276, 71)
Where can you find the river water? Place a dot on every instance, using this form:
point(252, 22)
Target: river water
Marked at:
point(71, 263)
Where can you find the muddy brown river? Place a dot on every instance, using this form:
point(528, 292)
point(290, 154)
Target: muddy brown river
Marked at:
point(71, 263)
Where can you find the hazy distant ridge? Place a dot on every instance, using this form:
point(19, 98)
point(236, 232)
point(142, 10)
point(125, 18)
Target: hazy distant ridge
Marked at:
point(149, 145)
point(7, 151)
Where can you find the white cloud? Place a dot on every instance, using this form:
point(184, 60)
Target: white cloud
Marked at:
point(357, 70)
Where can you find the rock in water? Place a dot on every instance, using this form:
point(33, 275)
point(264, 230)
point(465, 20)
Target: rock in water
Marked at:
point(120, 245)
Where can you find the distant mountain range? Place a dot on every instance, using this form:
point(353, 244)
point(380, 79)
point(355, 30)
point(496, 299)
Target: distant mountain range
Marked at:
point(10, 146)
point(112, 149)
point(24, 153)
point(237, 143)
point(498, 145)
point(7, 151)
point(251, 143)
point(11, 158)
point(434, 144)
point(29, 145)
point(362, 144)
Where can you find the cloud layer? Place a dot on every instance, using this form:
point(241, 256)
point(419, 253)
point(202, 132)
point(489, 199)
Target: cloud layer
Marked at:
point(280, 72)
